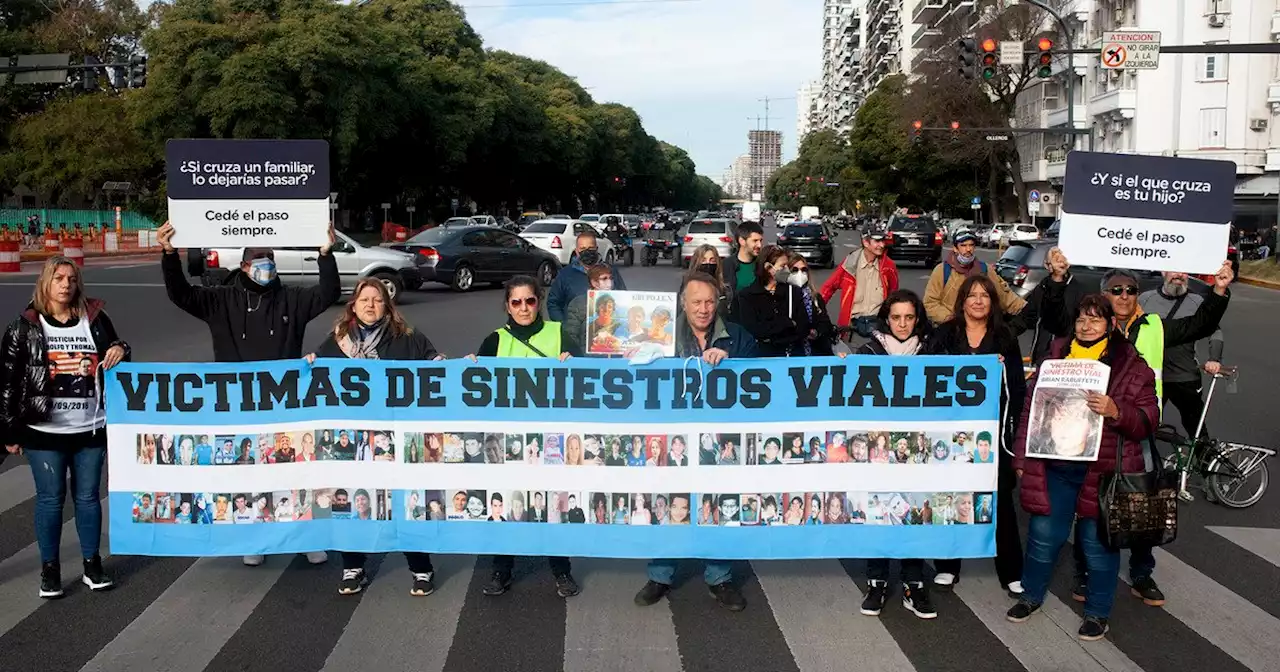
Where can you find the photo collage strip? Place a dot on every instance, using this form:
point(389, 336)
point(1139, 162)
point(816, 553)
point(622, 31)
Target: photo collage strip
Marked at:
point(282, 506)
point(682, 508)
point(321, 445)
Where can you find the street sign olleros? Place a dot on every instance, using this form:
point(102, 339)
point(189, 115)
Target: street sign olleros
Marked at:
point(1130, 50)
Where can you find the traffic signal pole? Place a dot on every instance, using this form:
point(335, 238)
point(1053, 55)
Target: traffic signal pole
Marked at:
point(1071, 69)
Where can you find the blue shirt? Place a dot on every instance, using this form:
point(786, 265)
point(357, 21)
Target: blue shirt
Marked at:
point(204, 454)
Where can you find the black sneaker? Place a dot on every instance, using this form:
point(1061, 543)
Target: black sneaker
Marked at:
point(1080, 588)
point(51, 580)
point(651, 593)
point(566, 586)
point(915, 597)
point(94, 577)
point(352, 582)
point(729, 596)
point(1092, 629)
point(498, 584)
point(1021, 611)
point(877, 595)
point(1147, 589)
point(423, 584)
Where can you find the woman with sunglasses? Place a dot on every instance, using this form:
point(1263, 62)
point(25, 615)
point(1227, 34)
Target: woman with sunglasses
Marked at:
point(526, 334)
point(822, 334)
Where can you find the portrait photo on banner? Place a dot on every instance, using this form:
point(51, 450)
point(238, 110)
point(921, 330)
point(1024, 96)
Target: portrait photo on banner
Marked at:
point(622, 322)
point(1060, 425)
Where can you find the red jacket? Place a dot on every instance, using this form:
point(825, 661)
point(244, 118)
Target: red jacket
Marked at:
point(1132, 387)
point(847, 284)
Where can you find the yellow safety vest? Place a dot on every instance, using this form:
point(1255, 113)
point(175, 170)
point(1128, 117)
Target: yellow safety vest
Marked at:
point(547, 340)
point(1150, 346)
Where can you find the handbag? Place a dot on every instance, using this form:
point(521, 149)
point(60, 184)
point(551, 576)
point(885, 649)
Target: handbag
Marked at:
point(1138, 510)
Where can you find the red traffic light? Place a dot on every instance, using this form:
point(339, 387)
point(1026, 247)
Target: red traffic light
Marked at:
point(955, 125)
point(1045, 44)
point(917, 124)
point(1046, 59)
point(989, 46)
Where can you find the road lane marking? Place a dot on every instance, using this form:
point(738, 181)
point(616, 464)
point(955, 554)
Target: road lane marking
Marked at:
point(1262, 542)
point(631, 638)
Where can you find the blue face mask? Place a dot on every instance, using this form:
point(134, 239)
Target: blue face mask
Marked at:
point(262, 271)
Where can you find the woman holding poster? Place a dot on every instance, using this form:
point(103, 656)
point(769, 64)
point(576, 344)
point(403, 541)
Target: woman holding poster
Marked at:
point(978, 328)
point(51, 407)
point(526, 334)
point(575, 318)
point(902, 329)
point(371, 327)
point(1058, 492)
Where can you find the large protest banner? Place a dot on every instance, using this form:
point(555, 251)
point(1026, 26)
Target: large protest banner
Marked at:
point(761, 459)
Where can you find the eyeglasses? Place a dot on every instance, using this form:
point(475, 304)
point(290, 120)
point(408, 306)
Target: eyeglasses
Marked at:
point(1123, 289)
point(529, 301)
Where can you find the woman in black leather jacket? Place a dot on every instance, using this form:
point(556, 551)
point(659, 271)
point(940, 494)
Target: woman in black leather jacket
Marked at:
point(51, 409)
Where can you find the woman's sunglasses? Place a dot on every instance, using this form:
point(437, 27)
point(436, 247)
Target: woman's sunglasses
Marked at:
point(529, 301)
point(1125, 289)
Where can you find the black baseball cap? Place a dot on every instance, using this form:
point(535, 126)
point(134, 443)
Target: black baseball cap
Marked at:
point(251, 253)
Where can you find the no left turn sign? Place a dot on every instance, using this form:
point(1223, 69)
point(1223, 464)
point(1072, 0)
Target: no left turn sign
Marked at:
point(1114, 55)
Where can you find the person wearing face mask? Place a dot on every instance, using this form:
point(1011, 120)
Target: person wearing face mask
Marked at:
point(865, 278)
point(709, 263)
point(253, 317)
point(572, 280)
point(822, 335)
point(961, 264)
point(774, 310)
point(600, 277)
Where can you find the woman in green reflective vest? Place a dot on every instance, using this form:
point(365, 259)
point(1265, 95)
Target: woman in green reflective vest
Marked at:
point(526, 334)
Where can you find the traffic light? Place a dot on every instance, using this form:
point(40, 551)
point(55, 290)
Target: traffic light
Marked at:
point(1045, 62)
point(137, 72)
point(916, 127)
point(990, 59)
point(955, 131)
point(968, 57)
point(89, 76)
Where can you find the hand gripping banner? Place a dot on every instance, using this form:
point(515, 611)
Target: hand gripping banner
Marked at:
point(751, 459)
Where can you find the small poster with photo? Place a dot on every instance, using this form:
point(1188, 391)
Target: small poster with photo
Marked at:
point(838, 447)
point(494, 451)
point(679, 509)
point(384, 445)
point(661, 508)
point(622, 322)
point(284, 506)
point(553, 449)
point(944, 508)
point(538, 508)
point(147, 448)
point(771, 449)
point(729, 510)
point(185, 514)
point(1060, 425)
point(964, 508)
point(642, 509)
point(303, 504)
point(730, 449)
point(813, 507)
point(860, 448)
point(144, 507)
point(620, 508)
point(750, 448)
point(877, 509)
point(857, 503)
point(982, 507)
point(793, 508)
point(817, 453)
point(656, 451)
point(498, 506)
point(263, 506)
point(572, 511)
point(770, 514)
point(793, 448)
point(221, 508)
point(453, 448)
point(749, 509)
point(878, 452)
point(708, 514)
point(599, 514)
point(677, 450)
point(515, 448)
point(477, 507)
point(533, 449)
point(286, 448)
point(456, 507)
point(899, 509)
point(836, 512)
point(921, 509)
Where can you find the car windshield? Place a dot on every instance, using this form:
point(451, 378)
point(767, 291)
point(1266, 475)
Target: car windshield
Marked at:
point(804, 230)
point(912, 224)
point(590, 218)
point(434, 236)
point(706, 227)
point(480, 220)
point(457, 221)
point(1003, 227)
point(1022, 255)
point(546, 227)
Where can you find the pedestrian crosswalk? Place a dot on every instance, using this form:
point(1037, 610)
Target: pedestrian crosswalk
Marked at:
point(214, 614)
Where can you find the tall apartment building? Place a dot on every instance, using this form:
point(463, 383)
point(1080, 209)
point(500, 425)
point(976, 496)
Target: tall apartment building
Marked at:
point(887, 49)
point(737, 178)
point(764, 149)
point(842, 38)
point(933, 22)
point(807, 107)
point(1188, 107)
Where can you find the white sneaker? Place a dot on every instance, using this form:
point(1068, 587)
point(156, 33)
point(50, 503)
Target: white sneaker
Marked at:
point(254, 560)
point(317, 557)
point(944, 579)
point(1015, 589)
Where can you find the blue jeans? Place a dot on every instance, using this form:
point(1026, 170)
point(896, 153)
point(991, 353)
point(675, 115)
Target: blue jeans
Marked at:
point(715, 573)
point(50, 469)
point(1047, 534)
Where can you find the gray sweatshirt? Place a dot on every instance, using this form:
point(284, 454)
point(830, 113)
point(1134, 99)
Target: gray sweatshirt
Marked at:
point(1180, 363)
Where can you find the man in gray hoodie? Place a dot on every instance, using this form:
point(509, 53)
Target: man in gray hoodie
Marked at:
point(1181, 370)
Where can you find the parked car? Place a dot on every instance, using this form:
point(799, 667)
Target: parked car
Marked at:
point(718, 233)
point(783, 219)
point(558, 217)
point(593, 219)
point(992, 236)
point(915, 238)
point(811, 240)
point(527, 218)
point(457, 221)
point(463, 256)
point(560, 236)
point(482, 220)
point(1022, 266)
point(297, 266)
point(1023, 233)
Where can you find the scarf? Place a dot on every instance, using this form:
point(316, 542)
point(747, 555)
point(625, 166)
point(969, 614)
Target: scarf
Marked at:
point(364, 345)
point(964, 270)
point(893, 346)
point(1085, 350)
point(808, 310)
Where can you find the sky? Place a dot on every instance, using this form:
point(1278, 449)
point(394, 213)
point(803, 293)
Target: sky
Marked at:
point(695, 70)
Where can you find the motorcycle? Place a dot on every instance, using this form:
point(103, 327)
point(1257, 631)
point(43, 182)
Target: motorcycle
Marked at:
point(660, 244)
point(622, 242)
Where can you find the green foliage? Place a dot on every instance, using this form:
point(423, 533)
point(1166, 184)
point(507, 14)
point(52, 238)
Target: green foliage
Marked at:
point(412, 105)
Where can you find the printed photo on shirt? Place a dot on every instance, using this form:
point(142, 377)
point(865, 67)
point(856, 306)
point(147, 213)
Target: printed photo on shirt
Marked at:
point(749, 509)
point(264, 507)
point(185, 513)
point(553, 449)
point(454, 450)
point(620, 508)
point(857, 503)
point(730, 451)
point(794, 450)
point(166, 451)
point(817, 453)
point(679, 509)
point(792, 504)
point(539, 507)
point(879, 450)
point(944, 508)
point(677, 450)
point(144, 507)
point(813, 508)
point(642, 509)
point(708, 511)
point(921, 508)
point(533, 449)
point(982, 506)
point(771, 449)
point(837, 447)
point(495, 451)
point(147, 448)
point(750, 446)
point(514, 448)
point(961, 447)
point(73, 366)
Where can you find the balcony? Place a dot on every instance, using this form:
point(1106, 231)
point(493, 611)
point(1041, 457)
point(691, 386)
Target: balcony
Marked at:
point(1055, 165)
point(925, 37)
point(1038, 171)
point(927, 11)
point(1058, 117)
point(1273, 95)
point(1275, 27)
point(1118, 103)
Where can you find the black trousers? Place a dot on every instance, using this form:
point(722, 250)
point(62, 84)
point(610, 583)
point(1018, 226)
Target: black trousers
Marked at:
point(419, 563)
point(1009, 553)
point(912, 570)
point(1186, 397)
point(503, 564)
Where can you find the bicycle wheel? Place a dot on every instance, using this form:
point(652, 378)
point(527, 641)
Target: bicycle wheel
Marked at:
point(1238, 476)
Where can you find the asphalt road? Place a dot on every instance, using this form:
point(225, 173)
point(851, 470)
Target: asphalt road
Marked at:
point(1222, 575)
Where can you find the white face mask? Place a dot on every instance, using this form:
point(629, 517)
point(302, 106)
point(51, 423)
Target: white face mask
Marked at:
point(605, 284)
point(799, 278)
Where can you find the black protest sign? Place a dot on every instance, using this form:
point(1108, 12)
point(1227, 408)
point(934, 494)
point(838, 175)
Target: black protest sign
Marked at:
point(1146, 212)
point(261, 193)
